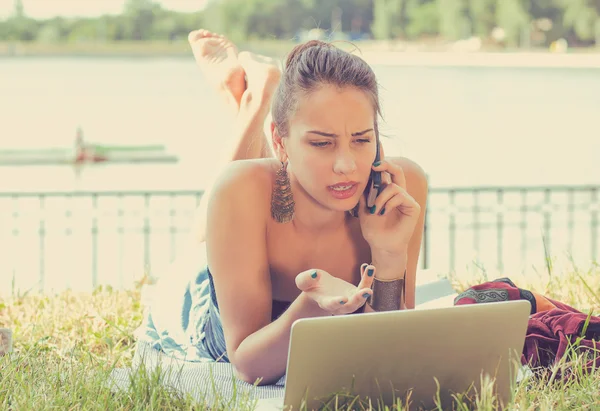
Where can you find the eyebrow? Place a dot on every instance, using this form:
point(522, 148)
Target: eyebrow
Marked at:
point(320, 133)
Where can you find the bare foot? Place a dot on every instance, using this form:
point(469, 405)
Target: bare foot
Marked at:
point(262, 74)
point(218, 59)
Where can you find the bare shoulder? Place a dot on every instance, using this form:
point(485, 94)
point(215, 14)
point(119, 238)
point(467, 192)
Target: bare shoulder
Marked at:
point(244, 184)
point(247, 178)
point(416, 178)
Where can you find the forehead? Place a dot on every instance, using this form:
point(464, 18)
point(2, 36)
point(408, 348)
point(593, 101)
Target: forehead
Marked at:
point(330, 106)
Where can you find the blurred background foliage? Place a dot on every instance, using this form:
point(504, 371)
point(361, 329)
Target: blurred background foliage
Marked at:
point(507, 23)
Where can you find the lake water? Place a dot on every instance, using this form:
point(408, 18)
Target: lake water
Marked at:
point(466, 126)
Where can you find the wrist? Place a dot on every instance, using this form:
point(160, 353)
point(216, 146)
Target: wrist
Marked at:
point(389, 266)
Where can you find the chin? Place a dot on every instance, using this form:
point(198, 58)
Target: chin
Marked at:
point(343, 205)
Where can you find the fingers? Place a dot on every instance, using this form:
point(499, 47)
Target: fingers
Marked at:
point(334, 304)
point(389, 191)
point(395, 171)
point(371, 194)
point(307, 280)
point(392, 197)
point(359, 298)
point(367, 274)
point(402, 202)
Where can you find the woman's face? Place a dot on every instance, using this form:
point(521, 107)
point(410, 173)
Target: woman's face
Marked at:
point(331, 145)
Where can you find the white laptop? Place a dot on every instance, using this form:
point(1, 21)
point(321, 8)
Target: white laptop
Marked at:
point(389, 355)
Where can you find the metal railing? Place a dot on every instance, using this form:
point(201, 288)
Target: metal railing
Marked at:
point(528, 223)
point(92, 238)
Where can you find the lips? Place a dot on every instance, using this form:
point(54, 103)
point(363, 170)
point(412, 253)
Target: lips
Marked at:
point(343, 190)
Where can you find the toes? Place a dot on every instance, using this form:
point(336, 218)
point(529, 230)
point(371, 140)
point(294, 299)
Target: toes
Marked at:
point(307, 280)
point(263, 75)
point(196, 35)
point(251, 62)
point(200, 34)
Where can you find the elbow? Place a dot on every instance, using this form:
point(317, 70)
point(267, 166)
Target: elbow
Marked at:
point(252, 374)
point(253, 378)
point(250, 378)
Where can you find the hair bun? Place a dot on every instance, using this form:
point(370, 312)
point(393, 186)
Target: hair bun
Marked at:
point(301, 48)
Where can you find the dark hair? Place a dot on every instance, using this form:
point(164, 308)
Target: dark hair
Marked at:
point(313, 64)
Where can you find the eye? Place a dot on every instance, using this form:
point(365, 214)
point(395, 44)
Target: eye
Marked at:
point(363, 140)
point(319, 143)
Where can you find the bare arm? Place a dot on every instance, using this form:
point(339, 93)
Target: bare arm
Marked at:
point(237, 257)
point(417, 187)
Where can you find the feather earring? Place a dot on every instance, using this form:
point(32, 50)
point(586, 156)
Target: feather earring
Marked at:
point(282, 200)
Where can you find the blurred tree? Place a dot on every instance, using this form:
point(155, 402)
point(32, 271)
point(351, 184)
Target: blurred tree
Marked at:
point(139, 16)
point(19, 26)
point(19, 9)
point(583, 17)
point(514, 19)
point(49, 33)
point(422, 18)
point(483, 16)
point(164, 26)
point(522, 21)
point(348, 16)
point(84, 30)
point(388, 18)
point(548, 20)
point(455, 23)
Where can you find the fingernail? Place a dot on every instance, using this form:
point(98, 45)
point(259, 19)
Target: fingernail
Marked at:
point(372, 209)
point(370, 272)
point(377, 164)
point(366, 295)
point(314, 275)
point(342, 302)
point(382, 211)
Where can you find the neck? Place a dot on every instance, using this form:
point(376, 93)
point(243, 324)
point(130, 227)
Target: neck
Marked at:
point(313, 217)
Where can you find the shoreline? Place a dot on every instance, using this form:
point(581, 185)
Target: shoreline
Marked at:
point(374, 53)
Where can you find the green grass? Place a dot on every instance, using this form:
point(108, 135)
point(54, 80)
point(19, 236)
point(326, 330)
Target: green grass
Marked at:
point(66, 345)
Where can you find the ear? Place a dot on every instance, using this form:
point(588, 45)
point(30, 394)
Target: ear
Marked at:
point(278, 143)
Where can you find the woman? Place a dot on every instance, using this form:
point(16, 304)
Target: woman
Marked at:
point(288, 232)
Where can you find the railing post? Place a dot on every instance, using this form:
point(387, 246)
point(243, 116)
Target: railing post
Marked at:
point(571, 223)
point(594, 225)
point(547, 221)
point(69, 224)
point(499, 229)
point(452, 230)
point(121, 232)
point(146, 233)
point(94, 240)
point(523, 226)
point(42, 239)
point(15, 231)
point(172, 228)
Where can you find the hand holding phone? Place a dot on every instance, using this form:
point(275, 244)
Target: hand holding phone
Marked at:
point(374, 186)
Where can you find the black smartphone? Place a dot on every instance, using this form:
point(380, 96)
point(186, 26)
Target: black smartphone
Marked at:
point(374, 185)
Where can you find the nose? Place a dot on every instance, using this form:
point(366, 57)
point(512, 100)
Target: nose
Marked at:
point(345, 162)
